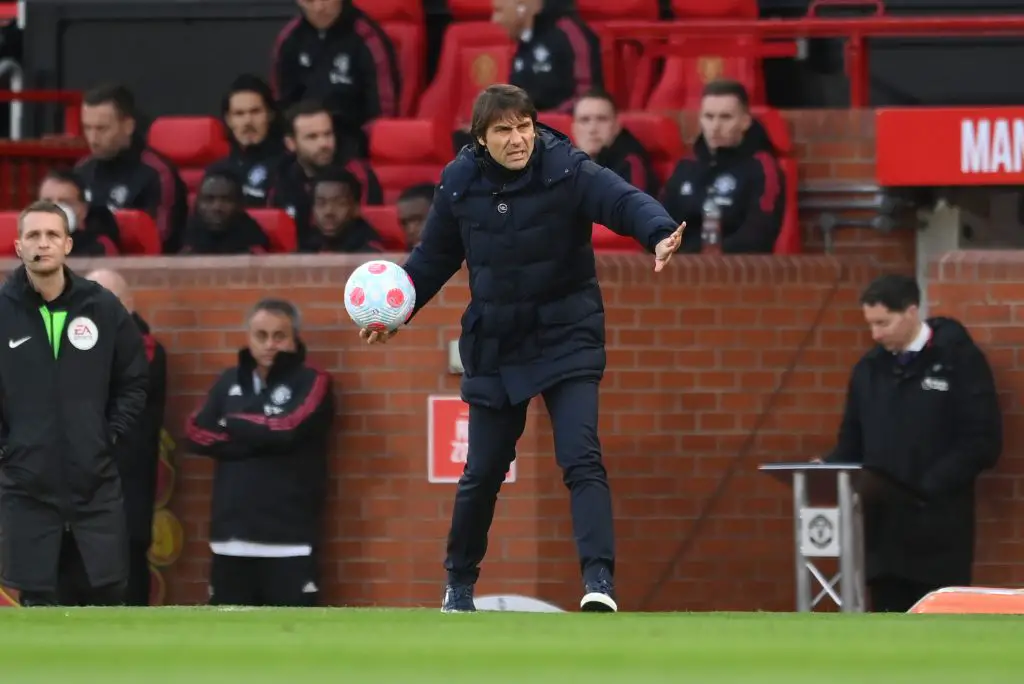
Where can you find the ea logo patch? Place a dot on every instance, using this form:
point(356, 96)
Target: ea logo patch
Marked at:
point(83, 333)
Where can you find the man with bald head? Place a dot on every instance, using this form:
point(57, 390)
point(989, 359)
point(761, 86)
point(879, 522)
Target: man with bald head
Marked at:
point(138, 452)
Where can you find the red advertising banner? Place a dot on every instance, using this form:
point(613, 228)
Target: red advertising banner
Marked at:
point(448, 439)
point(942, 146)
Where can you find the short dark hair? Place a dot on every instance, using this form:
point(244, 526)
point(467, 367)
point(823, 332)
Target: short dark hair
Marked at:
point(337, 174)
point(226, 174)
point(122, 99)
point(893, 291)
point(727, 87)
point(424, 191)
point(496, 102)
point(249, 83)
point(44, 207)
point(300, 109)
point(597, 94)
point(281, 307)
point(65, 176)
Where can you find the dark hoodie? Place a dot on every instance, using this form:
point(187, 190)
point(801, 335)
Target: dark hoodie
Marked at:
point(138, 178)
point(931, 422)
point(255, 166)
point(98, 237)
point(559, 60)
point(241, 235)
point(355, 237)
point(750, 188)
point(628, 158)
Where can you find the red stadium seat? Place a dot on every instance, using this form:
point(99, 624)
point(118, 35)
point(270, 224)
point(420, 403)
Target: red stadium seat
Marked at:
point(382, 11)
point(471, 10)
point(279, 227)
point(661, 138)
point(385, 220)
point(619, 10)
point(705, 60)
point(789, 240)
point(191, 143)
point(715, 9)
point(138, 232)
point(8, 232)
point(405, 152)
point(560, 122)
point(403, 22)
point(606, 240)
point(473, 56)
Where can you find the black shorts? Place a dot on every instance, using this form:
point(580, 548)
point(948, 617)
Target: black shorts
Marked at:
point(244, 581)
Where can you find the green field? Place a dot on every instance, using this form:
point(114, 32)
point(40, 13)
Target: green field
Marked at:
point(201, 645)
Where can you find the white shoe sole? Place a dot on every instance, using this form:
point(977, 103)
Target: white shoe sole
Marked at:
point(596, 602)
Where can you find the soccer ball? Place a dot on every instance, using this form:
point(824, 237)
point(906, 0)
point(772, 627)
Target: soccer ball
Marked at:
point(380, 296)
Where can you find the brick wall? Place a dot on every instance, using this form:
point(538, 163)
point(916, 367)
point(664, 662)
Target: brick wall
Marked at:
point(695, 355)
point(985, 291)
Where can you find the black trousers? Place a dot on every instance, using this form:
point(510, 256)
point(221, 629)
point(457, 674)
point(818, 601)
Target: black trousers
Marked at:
point(137, 592)
point(73, 587)
point(242, 581)
point(493, 433)
point(897, 595)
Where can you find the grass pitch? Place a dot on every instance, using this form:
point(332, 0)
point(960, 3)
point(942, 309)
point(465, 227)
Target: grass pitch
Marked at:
point(204, 645)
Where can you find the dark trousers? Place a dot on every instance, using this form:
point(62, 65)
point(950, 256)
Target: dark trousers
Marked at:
point(241, 581)
point(73, 588)
point(896, 595)
point(493, 433)
point(137, 592)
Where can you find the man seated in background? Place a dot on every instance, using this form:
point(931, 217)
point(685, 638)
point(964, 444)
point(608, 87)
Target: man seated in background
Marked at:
point(413, 205)
point(220, 224)
point(267, 424)
point(735, 167)
point(309, 136)
point(256, 135)
point(596, 130)
point(93, 228)
point(121, 172)
point(337, 223)
point(138, 451)
point(337, 54)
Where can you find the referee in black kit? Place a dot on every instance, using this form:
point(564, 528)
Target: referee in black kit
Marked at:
point(922, 409)
point(73, 379)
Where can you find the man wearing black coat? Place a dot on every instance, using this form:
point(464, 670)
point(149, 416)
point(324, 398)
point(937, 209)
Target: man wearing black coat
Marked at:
point(138, 452)
point(921, 408)
point(518, 207)
point(73, 380)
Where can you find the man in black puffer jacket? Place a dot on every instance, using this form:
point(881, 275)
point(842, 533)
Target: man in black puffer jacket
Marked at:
point(518, 207)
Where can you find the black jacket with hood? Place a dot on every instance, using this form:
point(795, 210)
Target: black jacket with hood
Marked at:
point(73, 380)
point(628, 158)
point(933, 424)
point(749, 187)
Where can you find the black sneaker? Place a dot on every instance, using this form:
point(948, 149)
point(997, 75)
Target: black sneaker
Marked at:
point(599, 594)
point(458, 598)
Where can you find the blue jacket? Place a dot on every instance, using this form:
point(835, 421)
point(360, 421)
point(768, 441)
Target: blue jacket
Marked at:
point(535, 315)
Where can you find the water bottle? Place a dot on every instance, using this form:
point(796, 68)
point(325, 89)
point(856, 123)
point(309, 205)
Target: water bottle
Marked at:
point(711, 227)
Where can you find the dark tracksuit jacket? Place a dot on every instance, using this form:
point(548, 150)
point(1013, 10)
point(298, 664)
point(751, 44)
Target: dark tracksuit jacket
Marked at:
point(351, 67)
point(355, 237)
point(138, 452)
point(536, 315)
point(241, 235)
point(73, 378)
point(560, 61)
point(750, 188)
point(270, 448)
point(628, 158)
point(99, 236)
point(256, 166)
point(139, 178)
point(293, 191)
point(933, 424)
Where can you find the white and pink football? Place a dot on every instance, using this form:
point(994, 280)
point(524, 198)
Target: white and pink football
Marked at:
point(379, 295)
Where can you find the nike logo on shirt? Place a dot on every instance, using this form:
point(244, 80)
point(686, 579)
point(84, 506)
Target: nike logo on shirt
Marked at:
point(18, 343)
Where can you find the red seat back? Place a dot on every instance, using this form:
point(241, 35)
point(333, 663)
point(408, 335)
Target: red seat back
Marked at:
point(473, 56)
point(405, 152)
point(279, 227)
point(471, 10)
point(191, 143)
point(410, 41)
point(661, 138)
point(138, 232)
point(8, 232)
point(715, 9)
point(606, 240)
point(408, 11)
point(560, 122)
point(385, 220)
point(702, 60)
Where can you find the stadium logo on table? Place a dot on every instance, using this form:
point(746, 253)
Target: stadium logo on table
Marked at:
point(820, 531)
